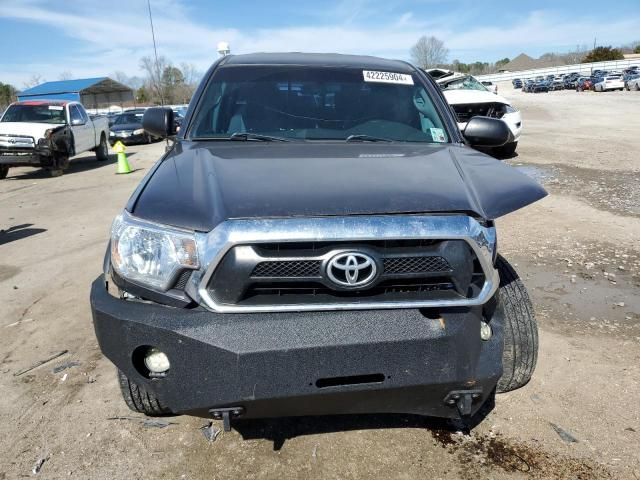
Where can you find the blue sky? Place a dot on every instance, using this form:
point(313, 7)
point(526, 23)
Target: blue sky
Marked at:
point(97, 37)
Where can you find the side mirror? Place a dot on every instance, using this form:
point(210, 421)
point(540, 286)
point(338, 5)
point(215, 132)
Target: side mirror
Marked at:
point(77, 122)
point(158, 121)
point(486, 132)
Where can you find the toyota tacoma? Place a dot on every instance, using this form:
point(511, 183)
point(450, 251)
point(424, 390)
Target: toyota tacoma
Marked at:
point(319, 239)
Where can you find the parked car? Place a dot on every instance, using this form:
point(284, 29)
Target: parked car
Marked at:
point(539, 86)
point(556, 84)
point(610, 82)
point(571, 81)
point(627, 77)
point(47, 133)
point(492, 87)
point(260, 269)
point(468, 97)
point(517, 83)
point(634, 83)
point(127, 128)
point(583, 83)
point(526, 86)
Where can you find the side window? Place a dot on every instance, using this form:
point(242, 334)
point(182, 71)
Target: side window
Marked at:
point(83, 113)
point(75, 115)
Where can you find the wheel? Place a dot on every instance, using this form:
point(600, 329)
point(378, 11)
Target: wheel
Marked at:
point(102, 151)
point(637, 87)
point(4, 171)
point(506, 151)
point(520, 330)
point(140, 400)
point(55, 172)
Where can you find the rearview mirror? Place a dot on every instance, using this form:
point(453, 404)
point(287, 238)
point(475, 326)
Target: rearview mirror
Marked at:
point(158, 121)
point(486, 132)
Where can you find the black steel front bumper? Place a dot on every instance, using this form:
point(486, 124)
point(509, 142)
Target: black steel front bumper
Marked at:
point(287, 364)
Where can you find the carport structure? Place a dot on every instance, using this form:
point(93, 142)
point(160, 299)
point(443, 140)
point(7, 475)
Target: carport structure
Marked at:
point(91, 92)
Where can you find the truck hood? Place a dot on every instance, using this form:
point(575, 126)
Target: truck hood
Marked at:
point(35, 130)
point(199, 185)
point(460, 96)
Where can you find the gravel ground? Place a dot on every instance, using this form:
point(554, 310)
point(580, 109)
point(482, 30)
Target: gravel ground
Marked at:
point(577, 250)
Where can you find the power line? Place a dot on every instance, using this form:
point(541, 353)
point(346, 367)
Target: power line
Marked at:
point(155, 50)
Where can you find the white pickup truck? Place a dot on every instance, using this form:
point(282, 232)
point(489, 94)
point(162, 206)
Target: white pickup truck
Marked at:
point(46, 133)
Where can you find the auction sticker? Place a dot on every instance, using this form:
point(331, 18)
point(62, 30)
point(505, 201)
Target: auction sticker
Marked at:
point(387, 77)
point(437, 134)
point(55, 107)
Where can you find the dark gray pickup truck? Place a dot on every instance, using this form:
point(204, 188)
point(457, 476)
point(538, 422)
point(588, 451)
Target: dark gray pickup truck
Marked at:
point(319, 239)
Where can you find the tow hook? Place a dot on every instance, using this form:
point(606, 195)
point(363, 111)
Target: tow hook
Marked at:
point(463, 399)
point(226, 414)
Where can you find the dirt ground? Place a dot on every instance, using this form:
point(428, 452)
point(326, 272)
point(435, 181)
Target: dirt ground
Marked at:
point(577, 250)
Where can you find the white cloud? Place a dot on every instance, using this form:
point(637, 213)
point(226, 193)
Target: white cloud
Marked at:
point(117, 41)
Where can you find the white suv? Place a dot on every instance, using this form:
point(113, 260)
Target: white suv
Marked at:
point(610, 82)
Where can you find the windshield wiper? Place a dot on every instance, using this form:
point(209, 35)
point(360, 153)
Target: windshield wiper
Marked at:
point(365, 138)
point(256, 136)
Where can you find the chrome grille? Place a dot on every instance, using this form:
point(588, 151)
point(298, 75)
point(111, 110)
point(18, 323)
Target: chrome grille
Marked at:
point(16, 141)
point(236, 247)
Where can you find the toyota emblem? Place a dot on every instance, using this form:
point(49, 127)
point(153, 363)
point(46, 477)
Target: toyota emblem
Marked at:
point(351, 269)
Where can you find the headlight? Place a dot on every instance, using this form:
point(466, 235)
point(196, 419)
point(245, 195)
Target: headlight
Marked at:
point(111, 134)
point(150, 254)
point(510, 109)
point(139, 131)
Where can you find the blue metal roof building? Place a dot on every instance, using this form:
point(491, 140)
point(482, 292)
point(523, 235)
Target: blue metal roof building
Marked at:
point(91, 92)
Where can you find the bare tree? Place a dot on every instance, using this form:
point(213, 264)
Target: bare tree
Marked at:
point(154, 71)
point(66, 75)
point(34, 80)
point(429, 52)
point(191, 75)
point(577, 55)
point(120, 77)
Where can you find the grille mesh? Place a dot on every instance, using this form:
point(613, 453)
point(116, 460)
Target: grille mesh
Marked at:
point(399, 265)
point(181, 283)
point(288, 269)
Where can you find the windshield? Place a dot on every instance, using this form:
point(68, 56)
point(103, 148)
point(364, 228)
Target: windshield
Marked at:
point(127, 118)
point(464, 83)
point(316, 103)
point(35, 114)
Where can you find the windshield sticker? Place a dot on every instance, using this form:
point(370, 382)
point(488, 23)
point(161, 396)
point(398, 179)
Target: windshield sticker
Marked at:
point(387, 77)
point(55, 107)
point(437, 134)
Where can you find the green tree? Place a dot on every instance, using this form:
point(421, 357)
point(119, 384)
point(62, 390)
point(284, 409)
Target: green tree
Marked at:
point(172, 84)
point(502, 62)
point(7, 95)
point(601, 54)
point(142, 95)
point(637, 49)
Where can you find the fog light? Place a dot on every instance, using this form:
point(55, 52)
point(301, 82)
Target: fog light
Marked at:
point(156, 361)
point(485, 331)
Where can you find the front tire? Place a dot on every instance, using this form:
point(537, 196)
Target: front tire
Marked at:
point(140, 400)
point(102, 152)
point(520, 330)
point(4, 171)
